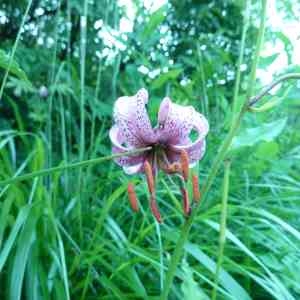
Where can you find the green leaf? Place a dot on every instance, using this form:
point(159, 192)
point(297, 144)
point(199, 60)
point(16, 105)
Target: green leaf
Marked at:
point(21, 219)
point(276, 220)
point(155, 20)
point(267, 150)
point(226, 280)
point(278, 287)
point(266, 61)
point(163, 78)
point(14, 67)
point(266, 132)
point(189, 287)
point(26, 239)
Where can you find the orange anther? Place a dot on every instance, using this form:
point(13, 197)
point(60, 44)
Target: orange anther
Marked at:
point(186, 202)
point(149, 176)
point(196, 191)
point(132, 197)
point(184, 159)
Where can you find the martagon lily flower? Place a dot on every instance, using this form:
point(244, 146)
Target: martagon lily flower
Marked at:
point(172, 149)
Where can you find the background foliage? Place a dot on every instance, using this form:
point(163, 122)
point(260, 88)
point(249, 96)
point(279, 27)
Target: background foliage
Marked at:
point(72, 234)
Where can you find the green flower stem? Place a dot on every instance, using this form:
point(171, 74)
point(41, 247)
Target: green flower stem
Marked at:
point(188, 224)
point(216, 164)
point(222, 237)
point(269, 87)
point(258, 46)
point(79, 164)
point(240, 61)
point(249, 94)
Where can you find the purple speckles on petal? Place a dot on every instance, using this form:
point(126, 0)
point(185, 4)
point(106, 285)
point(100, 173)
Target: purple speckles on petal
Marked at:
point(131, 117)
point(177, 121)
point(127, 160)
point(163, 111)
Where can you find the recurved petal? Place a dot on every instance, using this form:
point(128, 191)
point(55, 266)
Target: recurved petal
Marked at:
point(176, 123)
point(133, 169)
point(118, 139)
point(128, 160)
point(195, 152)
point(132, 119)
point(120, 146)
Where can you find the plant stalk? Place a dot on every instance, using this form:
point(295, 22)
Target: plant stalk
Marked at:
point(79, 164)
point(215, 167)
point(269, 87)
point(222, 237)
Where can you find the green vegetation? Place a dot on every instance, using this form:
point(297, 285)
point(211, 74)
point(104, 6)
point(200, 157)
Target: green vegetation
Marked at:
point(66, 227)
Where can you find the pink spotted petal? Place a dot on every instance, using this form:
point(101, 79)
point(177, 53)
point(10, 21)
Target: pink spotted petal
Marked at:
point(132, 119)
point(118, 139)
point(194, 151)
point(125, 161)
point(133, 169)
point(119, 146)
point(176, 123)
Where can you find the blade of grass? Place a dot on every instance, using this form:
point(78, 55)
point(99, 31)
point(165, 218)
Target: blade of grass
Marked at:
point(222, 237)
point(26, 239)
point(64, 138)
point(21, 219)
point(227, 281)
point(203, 82)
point(53, 83)
point(83, 30)
point(14, 48)
point(240, 62)
point(80, 164)
point(161, 269)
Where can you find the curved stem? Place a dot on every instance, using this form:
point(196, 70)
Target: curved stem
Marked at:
point(269, 87)
point(79, 164)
